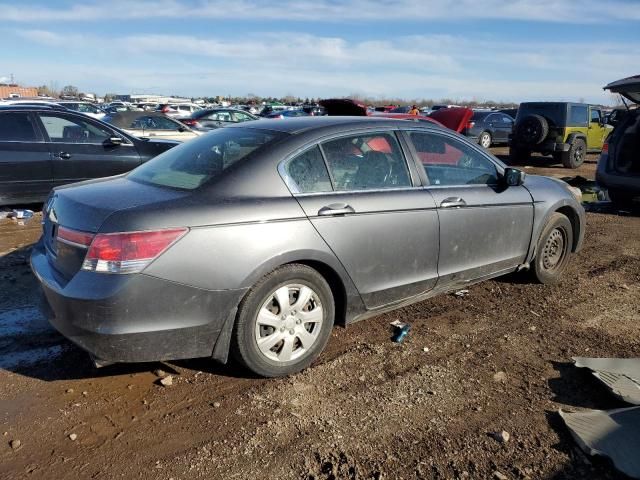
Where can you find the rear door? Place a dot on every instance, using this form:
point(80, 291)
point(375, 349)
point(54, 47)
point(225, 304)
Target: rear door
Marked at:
point(80, 150)
point(484, 228)
point(364, 200)
point(26, 173)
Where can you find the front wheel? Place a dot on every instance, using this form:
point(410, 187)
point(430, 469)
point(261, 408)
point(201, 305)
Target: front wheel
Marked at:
point(553, 250)
point(284, 322)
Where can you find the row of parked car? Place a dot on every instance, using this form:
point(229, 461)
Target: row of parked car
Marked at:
point(34, 134)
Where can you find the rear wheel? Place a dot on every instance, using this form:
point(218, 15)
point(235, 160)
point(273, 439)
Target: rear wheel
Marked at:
point(485, 140)
point(576, 154)
point(284, 322)
point(553, 250)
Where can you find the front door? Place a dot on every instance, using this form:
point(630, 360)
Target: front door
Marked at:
point(381, 226)
point(80, 149)
point(25, 163)
point(484, 228)
point(597, 130)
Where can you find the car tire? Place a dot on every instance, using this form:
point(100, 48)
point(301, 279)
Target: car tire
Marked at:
point(268, 337)
point(519, 154)
point(485, 140)
point(576, 154)
point(553, 250)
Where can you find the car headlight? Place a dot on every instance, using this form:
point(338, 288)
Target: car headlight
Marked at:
point(576, 192)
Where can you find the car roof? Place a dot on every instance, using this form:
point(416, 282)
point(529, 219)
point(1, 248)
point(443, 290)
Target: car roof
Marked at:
point(33, 106)
point(295, 125)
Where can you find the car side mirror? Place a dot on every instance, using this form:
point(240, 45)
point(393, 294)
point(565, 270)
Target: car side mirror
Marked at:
point(513, 177)
point(113, 141)
point(182, 129)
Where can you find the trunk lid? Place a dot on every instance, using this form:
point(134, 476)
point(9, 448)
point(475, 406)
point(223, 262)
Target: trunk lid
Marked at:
point(627, 87)
point(455, 118)
point(83, 208)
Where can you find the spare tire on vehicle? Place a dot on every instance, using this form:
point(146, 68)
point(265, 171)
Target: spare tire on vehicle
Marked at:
point(532, 130)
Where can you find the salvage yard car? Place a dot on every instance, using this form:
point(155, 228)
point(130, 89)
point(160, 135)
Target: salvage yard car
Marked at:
point(619, 165)
point(257, 238)
point(562, 129)
point(43, 146)
point(151, 125)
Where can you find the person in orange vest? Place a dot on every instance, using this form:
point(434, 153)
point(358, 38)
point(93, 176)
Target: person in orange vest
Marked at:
point(414, 110)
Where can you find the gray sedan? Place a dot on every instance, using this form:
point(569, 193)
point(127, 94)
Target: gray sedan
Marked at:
point(258, 238)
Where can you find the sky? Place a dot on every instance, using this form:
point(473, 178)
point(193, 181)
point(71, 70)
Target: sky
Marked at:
point(510, 51)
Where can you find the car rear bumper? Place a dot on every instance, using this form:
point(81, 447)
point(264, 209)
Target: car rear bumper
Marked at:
point(612, 180)
point(133, 318)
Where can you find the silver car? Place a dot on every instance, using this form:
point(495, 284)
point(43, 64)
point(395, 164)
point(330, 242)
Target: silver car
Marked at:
point(258, 238)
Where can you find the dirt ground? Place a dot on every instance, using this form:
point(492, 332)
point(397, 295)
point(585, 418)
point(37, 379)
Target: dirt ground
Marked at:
point(498, 359)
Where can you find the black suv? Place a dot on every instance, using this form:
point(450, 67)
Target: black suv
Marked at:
point(619, 165)
point(42, 147)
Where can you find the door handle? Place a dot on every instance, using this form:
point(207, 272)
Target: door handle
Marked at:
point(453, 202)
point(336, 209)
point(64, 155)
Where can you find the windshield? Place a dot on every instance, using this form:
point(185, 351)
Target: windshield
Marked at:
point(200, 160)
point(556, 113)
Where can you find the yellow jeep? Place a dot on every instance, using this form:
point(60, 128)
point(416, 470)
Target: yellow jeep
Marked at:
point(562, 129)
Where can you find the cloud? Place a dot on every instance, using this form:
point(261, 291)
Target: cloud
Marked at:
point(563, 11)
point(413, 66)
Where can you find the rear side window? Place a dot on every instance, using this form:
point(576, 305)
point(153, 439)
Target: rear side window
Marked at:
point(203, 159)
point(17, 127)
point(366, 162)
point(578, 115)
point(154, 123)
point(308, 172)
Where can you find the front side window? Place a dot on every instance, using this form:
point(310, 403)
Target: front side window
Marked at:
point(202, 159)
point(241, 117)
point(448, 161)
point(308, 172)
point(154, 123)
point(67, 130)
point(366, 162)
point(17, 127)
point(595, 116)
point(86, 108)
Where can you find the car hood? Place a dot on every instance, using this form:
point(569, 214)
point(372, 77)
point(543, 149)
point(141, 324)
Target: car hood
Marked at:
point(455, 118)
point(627, 87)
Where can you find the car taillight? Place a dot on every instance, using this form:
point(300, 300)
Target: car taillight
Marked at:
point(165, 109)
point(128, 252)
point(470, 125)
point(190, 122)
point(605, 147)
point(74, 237)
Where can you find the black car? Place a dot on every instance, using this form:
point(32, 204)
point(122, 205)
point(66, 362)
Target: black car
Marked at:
point(42, 147)
point(489, 127)
point(619, 165)
point(217, 117)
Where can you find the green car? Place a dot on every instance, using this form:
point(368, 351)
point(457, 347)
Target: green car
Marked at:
point(562, 129)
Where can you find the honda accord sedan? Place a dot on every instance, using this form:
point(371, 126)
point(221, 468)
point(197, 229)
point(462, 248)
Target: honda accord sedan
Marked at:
point(258, 238)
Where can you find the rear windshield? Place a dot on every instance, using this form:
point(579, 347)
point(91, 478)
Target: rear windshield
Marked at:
point(200, 160)
point(555, 113)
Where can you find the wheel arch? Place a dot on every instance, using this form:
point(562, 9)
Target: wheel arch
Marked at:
point(573, 217)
